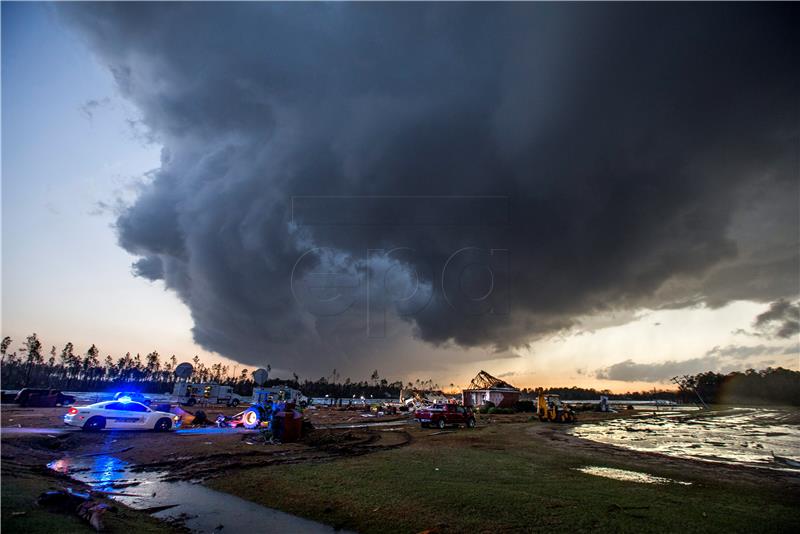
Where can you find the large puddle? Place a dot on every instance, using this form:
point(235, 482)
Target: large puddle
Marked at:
point(199, 508)
point(758, 437)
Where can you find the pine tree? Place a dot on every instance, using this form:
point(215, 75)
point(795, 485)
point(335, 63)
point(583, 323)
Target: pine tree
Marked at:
point(4, 347)
point(90, 362)
point(33, 347)
point(66, 355)
point(109, 367)
point(153, 363)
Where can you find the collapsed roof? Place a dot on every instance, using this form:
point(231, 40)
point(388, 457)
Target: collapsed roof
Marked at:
point(417, 398)
point(484, 380)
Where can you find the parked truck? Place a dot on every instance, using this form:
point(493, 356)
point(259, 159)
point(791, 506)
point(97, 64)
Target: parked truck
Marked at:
point(43, 398)
point(442, 415)
point(206, 393)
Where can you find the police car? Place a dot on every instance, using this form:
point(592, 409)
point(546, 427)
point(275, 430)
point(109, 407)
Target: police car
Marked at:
point(134, 396)
point(122, 414)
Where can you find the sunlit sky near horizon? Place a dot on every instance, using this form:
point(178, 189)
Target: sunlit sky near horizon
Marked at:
point(72, 145)
point(64, 276)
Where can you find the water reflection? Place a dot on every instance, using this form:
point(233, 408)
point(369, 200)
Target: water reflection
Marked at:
point(743, 436)
point(101, 472)
point(628, 476)
point(198, 507)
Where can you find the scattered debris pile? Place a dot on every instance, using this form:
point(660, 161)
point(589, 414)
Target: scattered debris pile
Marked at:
point(80, 503)
point(418, 398)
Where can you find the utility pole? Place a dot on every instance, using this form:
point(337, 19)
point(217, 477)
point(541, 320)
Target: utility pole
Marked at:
point(684, 382)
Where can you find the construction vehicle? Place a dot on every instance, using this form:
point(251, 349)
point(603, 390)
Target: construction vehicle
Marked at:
point(550, 408)
point(280, 418)
point(257, 415)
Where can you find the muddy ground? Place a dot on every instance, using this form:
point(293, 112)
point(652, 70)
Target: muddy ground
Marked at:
point(37, 436)
point(206, 452)
point(33, 437)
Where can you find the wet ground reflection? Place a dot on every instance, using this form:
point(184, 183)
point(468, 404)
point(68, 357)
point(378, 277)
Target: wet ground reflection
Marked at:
point(628, 476)
point(748, 436)
point(198, 507)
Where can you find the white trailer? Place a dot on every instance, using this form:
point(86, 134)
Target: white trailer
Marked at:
point(206, 393)
point(278, 393)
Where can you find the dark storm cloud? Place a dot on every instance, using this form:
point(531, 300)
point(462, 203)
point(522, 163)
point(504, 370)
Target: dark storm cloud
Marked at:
point(150, 267)
point(631, 371)
point(782, 319)
point(645, 151)
point(720, 359)
point(742, 352)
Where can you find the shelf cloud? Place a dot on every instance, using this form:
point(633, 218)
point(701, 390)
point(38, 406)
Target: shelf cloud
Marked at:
point(535, 163)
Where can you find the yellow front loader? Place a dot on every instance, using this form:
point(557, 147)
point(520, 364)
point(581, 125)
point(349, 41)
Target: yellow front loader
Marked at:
point(550, 408)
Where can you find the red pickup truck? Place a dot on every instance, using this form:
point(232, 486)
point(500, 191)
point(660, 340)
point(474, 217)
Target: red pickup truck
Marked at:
point(441, 415)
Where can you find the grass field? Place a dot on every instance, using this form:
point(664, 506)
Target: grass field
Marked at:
point(501, 478)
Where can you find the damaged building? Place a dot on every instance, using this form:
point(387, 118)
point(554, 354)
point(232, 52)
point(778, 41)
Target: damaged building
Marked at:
point(486, 388)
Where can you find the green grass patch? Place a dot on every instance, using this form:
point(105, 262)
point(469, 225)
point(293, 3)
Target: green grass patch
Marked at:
point(497, 480)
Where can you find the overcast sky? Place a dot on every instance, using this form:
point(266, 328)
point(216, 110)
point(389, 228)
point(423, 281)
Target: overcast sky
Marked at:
point(559, 194)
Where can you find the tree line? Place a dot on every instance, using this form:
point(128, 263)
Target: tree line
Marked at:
point(578, 393)
point(32, 366)
point(68, 370)
point(769, 386)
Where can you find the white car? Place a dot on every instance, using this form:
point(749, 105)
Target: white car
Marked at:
point(119, 415)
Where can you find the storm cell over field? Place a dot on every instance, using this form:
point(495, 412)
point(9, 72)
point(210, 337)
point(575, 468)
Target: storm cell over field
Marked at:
point(564, 191)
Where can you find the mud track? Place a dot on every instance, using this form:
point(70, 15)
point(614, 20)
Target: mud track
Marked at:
point(319, 445)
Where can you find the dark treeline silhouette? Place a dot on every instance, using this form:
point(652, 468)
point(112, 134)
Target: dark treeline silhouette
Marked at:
point(576, 393)
point(68, 370)
point(770, 386)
